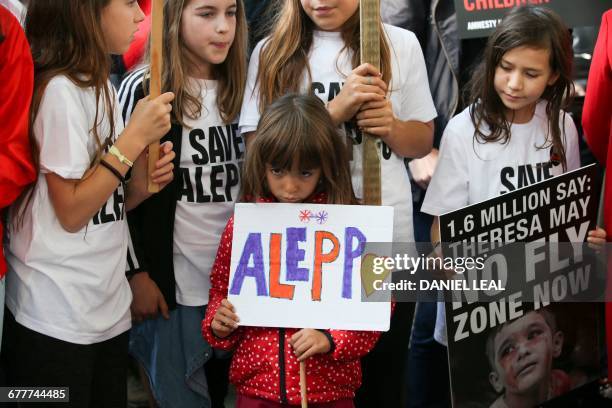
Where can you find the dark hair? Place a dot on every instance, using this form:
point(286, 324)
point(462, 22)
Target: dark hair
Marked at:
point(298, 129)
point(529, 26)
point(66, 39)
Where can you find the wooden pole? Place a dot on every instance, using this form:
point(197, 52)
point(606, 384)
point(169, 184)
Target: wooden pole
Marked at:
point(370, 52)
point(303, 384)
point(157, 26)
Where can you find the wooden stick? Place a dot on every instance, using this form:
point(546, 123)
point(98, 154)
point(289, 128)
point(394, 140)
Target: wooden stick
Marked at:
point(370, 52)
point(303, 384)
point(157, 26)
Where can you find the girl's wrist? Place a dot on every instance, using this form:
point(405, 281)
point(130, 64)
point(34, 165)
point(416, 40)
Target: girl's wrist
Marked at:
point(393, 128)
point(136, 193)
point(129, 144)
point(331, 108)
point(136, 135)
point(330, 339)
point(109, 160)
point(220, 336)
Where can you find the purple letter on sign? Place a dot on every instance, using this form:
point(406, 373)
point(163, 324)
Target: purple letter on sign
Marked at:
point(253, 248)
point(350, 254)
point(295, 255)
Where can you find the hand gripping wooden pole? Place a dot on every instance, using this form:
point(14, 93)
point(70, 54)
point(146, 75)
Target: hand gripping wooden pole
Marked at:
point(370, 52)
point(157, 22)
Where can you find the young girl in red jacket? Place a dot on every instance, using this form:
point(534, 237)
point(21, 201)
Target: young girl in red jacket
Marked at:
point(297, 156)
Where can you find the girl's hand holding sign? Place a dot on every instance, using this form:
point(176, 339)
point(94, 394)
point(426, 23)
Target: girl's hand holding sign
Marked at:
point(225, 321)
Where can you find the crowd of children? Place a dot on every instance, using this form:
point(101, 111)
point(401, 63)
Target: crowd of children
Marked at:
point(99, 268)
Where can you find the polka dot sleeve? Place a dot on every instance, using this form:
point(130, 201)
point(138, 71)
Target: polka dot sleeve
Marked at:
point(219, 279)
point(352, 345)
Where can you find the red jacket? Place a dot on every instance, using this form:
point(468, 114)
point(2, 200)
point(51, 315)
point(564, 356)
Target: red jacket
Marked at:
point(264, 365)
point(17, 73)
point(596, 121)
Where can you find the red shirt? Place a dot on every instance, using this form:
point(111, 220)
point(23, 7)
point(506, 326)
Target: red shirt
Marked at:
point(17, 73)
point(264, 364)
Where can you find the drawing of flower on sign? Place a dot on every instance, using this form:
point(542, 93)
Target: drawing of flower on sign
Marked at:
point(305, 215)
point(321, 217)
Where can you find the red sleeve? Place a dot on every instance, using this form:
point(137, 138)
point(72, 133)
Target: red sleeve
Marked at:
point(597, 112)
point(351, 345)
point(17, 73)
point(219, 280)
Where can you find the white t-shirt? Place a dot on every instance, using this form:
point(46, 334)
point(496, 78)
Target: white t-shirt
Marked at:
point(209, 177)
point(70, 286)
point(469, 172)
point(410, 98)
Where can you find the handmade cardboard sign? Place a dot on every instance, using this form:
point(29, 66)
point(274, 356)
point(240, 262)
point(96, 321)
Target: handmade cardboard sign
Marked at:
point(299, 265)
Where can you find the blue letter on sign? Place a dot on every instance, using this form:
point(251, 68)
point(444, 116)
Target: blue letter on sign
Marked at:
point(252, 248)
point(350, 234)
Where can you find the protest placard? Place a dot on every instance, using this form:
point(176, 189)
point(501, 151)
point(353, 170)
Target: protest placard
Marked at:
point(533, 337)
point(299, 265)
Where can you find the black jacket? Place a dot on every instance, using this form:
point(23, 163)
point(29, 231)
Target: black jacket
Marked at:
point(434, 23)
point(152, 224)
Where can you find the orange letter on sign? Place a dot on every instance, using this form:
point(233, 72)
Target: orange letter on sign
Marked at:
point(321, 258)
point(277, 289)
